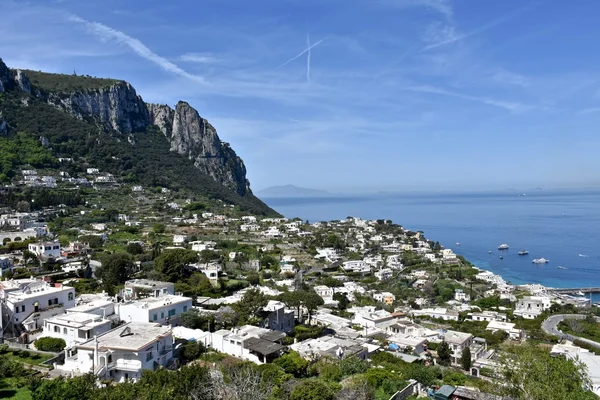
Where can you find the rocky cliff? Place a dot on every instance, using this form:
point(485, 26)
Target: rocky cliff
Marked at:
point(115, 106)
point(194, 137)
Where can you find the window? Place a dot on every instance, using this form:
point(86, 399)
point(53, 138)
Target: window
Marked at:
point(149, 354)
point(50, 302)
point(64, 331)
point(184, 308)
point(162, 315)
point(56, 329)
point(171, 312)
point(154, 317)
point(70, 296)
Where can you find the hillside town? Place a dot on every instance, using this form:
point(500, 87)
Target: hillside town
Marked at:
point(122, 290)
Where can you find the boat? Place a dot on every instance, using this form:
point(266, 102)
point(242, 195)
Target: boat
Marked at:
point(503, 247)
point(502, 257)
point(561, 267)
point(523, 252)
point(490, 252)
point(580, 293)
point(458, 243)
point(540, 261)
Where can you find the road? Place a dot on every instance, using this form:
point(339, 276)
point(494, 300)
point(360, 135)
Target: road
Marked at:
point(550, 327)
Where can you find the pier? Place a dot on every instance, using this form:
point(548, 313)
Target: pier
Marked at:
point(574, 290)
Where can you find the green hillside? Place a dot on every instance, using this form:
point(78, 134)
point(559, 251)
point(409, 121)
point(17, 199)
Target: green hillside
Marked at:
point(67, 83)
point(148, 162)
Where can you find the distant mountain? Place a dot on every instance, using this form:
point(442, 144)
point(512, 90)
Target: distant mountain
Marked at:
point(291, 191)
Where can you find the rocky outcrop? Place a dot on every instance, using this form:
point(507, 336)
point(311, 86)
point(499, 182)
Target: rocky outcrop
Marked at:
point(3, 127)
point(4, 76)
point(22, 81)
point(194, 137)
point(161, 115)
point(116, 107)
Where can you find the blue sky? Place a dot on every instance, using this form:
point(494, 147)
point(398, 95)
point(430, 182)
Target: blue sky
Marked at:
point(396, 95)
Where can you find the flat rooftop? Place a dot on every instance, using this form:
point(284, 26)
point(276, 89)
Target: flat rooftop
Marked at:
point(133, 336)
point(456, 337)
point(151, 303)
point(78, 320)
point(92, 305)
point(147, 283)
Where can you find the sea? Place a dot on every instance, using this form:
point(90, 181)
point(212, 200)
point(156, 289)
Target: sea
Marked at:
point(562, 226)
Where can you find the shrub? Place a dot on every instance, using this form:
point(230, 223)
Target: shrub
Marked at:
point(24, 354)
point(54, 345)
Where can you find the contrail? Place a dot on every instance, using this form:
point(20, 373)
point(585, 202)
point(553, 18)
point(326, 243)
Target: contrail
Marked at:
point(299, 55)
point(308, 58)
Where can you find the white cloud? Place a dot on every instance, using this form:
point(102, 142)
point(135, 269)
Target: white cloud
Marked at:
point(443, 7)
point(109, 34)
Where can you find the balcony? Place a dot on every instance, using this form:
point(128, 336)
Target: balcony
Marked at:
point(125, 365)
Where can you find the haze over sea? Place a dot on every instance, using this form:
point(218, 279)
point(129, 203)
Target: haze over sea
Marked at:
point(559, 225)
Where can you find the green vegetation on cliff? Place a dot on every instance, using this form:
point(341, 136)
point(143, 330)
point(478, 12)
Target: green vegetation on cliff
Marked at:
point(67, 83)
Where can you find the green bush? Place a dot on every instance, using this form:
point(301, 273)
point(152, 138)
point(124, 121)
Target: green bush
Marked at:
point(54, 345)
point(24, 354)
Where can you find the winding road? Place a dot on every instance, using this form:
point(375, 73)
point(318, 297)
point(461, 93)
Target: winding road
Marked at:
point(550, 327)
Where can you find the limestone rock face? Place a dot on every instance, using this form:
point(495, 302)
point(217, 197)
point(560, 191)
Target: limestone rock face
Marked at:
point(22, 81)
point(194, 137)
point(4, 76)
point(161, 115)
point(117, 106)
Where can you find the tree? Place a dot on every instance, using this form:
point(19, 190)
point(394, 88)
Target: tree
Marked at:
point(312, 389)
point(55, 345)
point(292, 300)
point(192, 350)
point(194, 319)
point(352, 365)
point(171, 263)
point(444, 354)
point(311, 300)
point(292, 363)
point(342, 300)
point(530, 372)
point(116, 269)
point(465, 359)
point(135, 248)
point(250, 307)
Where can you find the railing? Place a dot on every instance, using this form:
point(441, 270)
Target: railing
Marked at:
point(125, 365)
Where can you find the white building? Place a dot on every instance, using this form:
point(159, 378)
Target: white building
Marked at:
point(201, 246)
point(327, 254)
point(355, 266)
point(122, 353)
point(325, 292)
point(509, 328)
point(250, 228)
point(460, 295)
point(6, 265)
point(279, 319)
point(372, 319)
point(93, 171)
point(45, 250)
point(27, 302)
point(384, 273)
point(384, 297)
point(165, 309)
point(179, 239)
point(441, 313)
point(530, 307)
point(139, 288)
point(75, 328)
point(249, 343)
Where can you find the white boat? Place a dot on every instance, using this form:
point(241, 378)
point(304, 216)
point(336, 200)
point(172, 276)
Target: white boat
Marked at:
point(540, 261)
point(523, 252)
point(503, 247)
point(490, 252)
point(458, 243)
point(561, 267)
point(580, 293)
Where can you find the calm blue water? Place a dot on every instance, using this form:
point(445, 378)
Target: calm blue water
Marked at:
point(556, 225)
